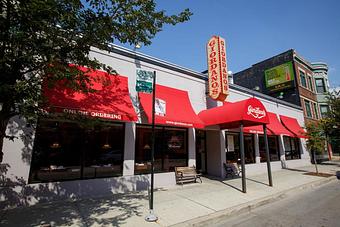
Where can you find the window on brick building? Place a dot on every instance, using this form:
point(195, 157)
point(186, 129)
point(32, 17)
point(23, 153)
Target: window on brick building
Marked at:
point(303, 79)
point(310, 83)
point(316, 114)
point(308, 108)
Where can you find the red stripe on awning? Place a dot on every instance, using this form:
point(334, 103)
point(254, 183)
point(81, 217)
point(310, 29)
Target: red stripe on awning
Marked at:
point(292, 125)
point(110, 100)
point(274, 127)
point(250, 112)
point(178, 109)
point(257, 129)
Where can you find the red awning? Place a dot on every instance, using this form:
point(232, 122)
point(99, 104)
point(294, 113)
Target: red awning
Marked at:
point(292, 125)
point(174, 108)
point(274, 127)
point(110, 100)
point(250, 112)
point(257, 129)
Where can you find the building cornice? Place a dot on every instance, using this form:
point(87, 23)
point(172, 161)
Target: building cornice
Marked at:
point(155, 61)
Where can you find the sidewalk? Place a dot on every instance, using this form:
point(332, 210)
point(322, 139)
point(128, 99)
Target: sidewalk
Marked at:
point(183, 205)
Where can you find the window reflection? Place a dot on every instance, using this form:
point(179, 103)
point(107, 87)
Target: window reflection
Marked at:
point(273, 145)
point(233, 147)
point(66, 151)
point(292, 150)
point(170, 149)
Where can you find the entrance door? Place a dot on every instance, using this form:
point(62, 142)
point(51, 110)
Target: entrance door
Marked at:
point(201, 151)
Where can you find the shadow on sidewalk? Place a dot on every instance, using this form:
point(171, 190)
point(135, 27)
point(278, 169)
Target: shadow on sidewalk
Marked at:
point(59, 203)
point(113, 211)
point(297, 170)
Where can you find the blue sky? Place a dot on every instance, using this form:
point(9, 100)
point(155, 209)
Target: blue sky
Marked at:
point(254, 30)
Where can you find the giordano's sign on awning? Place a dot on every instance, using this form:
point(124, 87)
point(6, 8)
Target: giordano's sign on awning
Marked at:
point(217, 68)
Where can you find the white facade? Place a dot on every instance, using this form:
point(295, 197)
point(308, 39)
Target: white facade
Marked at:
point(17, 154)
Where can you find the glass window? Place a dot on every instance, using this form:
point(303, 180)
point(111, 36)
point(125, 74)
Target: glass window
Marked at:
point(308, 108)
point(273, 145)
point(316, 113)
point(170, 149)
point(320, 85)
point(66, 151)
point(324, 109)
point(233, 147)
point(303, 79)
point(310, 83)
point(291, 146)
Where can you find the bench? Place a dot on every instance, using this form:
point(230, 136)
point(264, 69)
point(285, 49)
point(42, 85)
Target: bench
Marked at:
point(232, 169)
point(186, 174)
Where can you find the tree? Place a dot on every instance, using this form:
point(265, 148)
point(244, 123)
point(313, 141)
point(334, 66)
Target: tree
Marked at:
point(40, 38)
point(331, 123)
point(316, 140)
point(327, 129)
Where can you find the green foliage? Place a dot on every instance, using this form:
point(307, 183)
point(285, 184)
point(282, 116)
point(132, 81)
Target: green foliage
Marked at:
point(40, 38)
point(328, 128)
point(316, 138)
point(331, 123)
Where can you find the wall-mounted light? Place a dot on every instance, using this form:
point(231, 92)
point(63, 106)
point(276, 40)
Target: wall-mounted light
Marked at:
point(1, 104)
point(137, 46)
point(280, 95)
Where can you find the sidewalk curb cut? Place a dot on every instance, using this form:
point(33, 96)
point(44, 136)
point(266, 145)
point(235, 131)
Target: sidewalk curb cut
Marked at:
point(215, 217)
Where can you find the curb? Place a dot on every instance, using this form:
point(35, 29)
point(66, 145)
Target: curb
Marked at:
point(216, 217)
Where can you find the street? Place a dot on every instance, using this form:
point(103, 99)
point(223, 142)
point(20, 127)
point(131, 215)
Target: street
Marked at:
point(312, 207)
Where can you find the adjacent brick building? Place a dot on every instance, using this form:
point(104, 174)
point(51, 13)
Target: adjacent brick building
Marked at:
point(286, 76)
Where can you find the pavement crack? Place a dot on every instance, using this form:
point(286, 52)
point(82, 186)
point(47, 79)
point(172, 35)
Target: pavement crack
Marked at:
point(197, 203)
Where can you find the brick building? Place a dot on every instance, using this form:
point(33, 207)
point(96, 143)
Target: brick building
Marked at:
point(289, 77)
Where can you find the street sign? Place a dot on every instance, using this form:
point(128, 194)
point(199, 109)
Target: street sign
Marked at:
point(144, 81)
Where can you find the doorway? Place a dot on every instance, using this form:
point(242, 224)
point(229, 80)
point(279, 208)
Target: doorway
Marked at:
point(201, 151)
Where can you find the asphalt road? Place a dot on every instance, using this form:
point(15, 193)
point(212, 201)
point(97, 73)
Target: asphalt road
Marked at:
point(310, 207)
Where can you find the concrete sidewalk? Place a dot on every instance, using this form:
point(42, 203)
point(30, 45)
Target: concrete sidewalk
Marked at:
point(183, 205)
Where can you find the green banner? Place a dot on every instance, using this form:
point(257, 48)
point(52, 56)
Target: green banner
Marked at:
point(144, 81)
point(279, 77)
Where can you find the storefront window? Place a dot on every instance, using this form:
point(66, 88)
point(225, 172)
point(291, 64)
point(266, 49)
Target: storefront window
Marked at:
point(291, 146)
point(170, 149)
point(66, 151)
point(273, 145)
point(233, 147)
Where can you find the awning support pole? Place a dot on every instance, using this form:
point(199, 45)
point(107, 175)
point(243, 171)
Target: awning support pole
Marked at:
point(268, 157)
point(244, 186)
point(152, 217)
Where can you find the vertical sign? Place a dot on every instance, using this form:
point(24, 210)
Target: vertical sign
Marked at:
point(217, 69)
point(144, 81)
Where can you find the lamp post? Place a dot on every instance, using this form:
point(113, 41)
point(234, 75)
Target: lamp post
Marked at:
point(151, 217)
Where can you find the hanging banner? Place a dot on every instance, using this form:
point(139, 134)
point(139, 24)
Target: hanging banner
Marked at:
point(160, 107)
point(280, 77)
point(217, 69)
